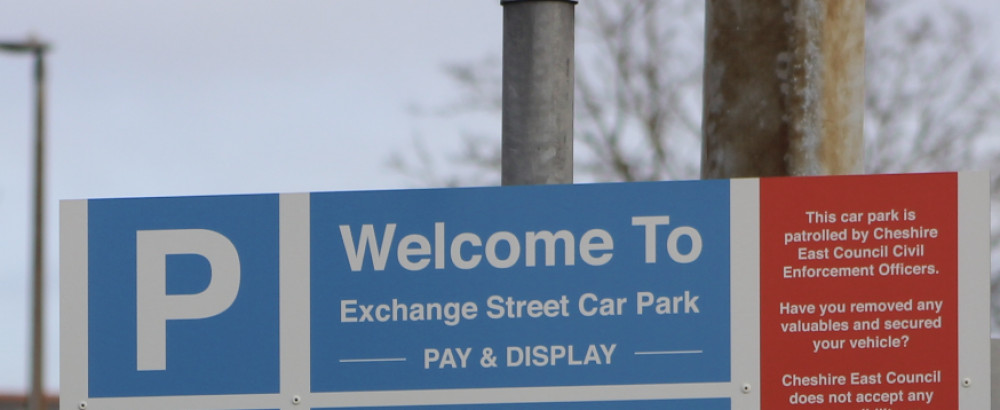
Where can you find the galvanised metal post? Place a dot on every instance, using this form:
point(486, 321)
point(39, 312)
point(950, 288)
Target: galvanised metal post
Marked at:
point(538, 70)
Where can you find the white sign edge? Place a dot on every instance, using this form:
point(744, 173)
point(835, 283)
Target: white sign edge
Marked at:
point(744, 282)
point(73, 340)
point(973, 290)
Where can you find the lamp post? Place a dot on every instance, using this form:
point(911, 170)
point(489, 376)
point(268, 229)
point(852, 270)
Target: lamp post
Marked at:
point(37, 49)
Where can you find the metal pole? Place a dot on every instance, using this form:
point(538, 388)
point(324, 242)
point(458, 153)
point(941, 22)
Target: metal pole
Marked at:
point(784, 88)
point(538, 41)
point(37, 401)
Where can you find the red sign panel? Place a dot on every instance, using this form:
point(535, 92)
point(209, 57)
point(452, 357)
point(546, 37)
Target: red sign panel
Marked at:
point(859, 292)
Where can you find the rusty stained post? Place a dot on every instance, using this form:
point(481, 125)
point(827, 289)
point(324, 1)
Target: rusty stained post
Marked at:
point(784, 88)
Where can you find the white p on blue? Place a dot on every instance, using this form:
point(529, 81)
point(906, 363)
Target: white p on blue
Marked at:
point(154, 306)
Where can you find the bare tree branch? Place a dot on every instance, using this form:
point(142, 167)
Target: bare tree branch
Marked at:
point(930, 105)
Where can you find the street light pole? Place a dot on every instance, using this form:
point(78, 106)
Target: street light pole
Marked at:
point(36, 400)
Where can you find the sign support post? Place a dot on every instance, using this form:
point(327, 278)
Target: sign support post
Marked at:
point(784, 88)
point(537, 92)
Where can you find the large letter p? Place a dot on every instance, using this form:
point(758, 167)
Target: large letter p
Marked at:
point(154, 307)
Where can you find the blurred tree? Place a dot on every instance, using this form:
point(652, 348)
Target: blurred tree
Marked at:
point(638, 92)
point(931, 98)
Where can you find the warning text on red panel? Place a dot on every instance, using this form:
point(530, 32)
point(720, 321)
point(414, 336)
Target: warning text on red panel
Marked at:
point(859, 292)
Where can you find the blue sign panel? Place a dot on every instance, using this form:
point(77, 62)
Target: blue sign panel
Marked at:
point(603, 284)
point(183, 296)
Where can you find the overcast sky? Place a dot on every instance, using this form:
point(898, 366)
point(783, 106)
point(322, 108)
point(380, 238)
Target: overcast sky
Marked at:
point(163, 98)
point(160, 98)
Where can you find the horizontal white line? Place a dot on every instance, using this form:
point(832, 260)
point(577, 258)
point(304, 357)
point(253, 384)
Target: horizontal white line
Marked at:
point(552, 394)
point(374, 360)
point(526, 395)
point(662, 352)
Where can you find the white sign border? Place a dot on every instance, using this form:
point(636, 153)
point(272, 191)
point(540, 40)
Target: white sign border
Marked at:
point(743, 389)
point(973, 290)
